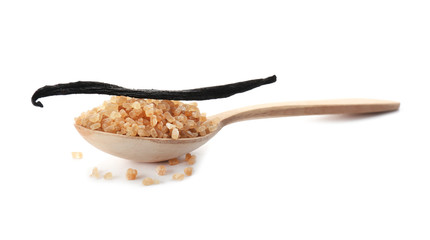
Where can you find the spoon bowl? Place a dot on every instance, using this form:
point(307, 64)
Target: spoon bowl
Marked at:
point(144, 149)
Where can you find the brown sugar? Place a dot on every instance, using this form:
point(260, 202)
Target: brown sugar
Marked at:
point(131, 174)
point(161, 170)
point(173, 161)
point(95, 173)
point(107, 176)
point(190, 159)
point(178, 176)
point(147, 181)
point(148, 118)
point(77, 155)
point(188, 171)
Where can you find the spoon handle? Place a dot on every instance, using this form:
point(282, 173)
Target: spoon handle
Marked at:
point(284, 109)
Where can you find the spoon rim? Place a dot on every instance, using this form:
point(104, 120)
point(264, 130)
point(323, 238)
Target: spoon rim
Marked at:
point(82, 129)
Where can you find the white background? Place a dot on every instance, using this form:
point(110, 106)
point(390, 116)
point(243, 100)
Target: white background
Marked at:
point(319, 177)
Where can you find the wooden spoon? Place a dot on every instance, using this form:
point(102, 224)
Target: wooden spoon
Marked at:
point(144, 149)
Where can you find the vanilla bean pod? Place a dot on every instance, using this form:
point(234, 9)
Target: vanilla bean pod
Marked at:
point(205, 93)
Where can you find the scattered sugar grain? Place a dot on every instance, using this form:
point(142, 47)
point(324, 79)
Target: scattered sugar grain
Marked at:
point(178, 176)
point(131, 174)
point(161, 170)
point(173, 161)
point(107, 176)
point(77, 155)
point(191, 160)
point(188, 171)
point(147, 181)
point(95, 173)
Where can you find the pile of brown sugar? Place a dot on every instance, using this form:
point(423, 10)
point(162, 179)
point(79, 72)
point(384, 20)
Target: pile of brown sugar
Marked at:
point(148, 118)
